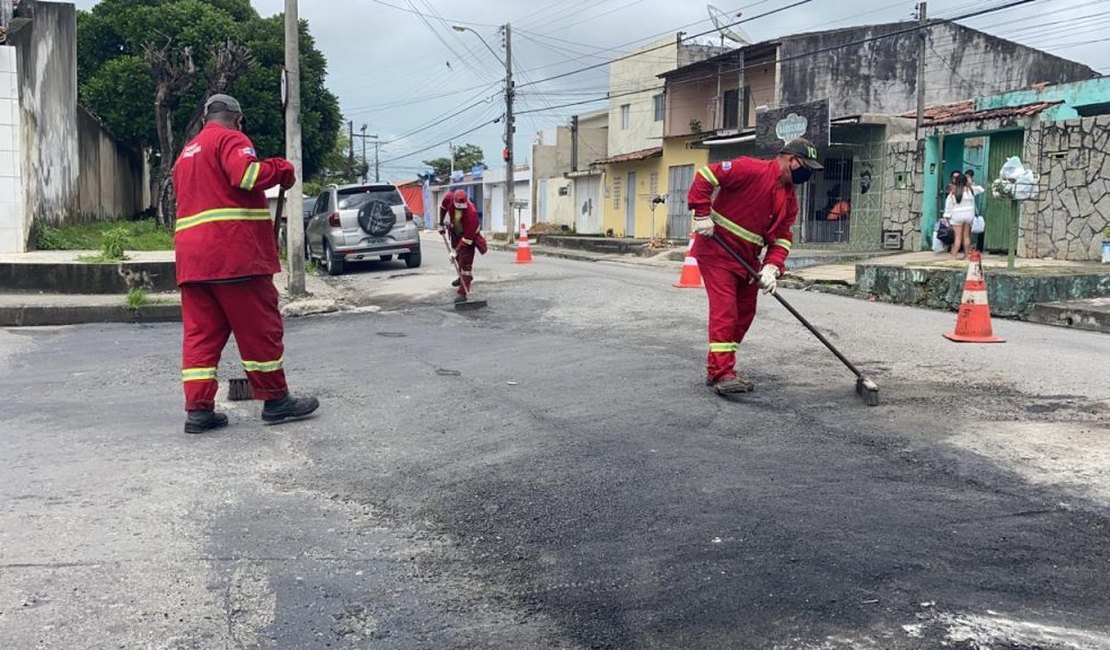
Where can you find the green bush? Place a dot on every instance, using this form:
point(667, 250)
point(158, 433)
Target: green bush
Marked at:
point(113, 244)
point(144, 235)
point(50, 238)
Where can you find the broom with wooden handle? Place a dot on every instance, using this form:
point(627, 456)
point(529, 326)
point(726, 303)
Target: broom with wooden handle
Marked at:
point(239, 388)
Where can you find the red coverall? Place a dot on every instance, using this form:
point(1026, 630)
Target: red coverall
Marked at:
point(751, 210)
point(226, 256)
point(462, 224)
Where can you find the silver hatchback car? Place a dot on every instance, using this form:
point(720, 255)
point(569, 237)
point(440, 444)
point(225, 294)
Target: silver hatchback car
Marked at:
point(358, 223)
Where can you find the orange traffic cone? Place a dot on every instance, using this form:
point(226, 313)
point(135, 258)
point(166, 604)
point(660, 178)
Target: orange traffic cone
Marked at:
point(973, 322)
point(523, 248)
point(691, 276)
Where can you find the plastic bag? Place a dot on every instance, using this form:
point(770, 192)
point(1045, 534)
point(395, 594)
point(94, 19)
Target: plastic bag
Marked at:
point(938, 245)
point(978, 224)
point(1025, 186)
point(1011, 169)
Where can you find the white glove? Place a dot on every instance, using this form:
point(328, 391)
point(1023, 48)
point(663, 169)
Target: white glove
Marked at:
point(769, 278)
point(703, 226)
point(454, 255)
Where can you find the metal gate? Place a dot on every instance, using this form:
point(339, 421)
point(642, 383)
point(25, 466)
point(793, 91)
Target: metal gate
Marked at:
point(1001, 146)
point(679, 180)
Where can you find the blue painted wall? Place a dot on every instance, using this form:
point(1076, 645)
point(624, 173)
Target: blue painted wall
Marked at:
point(1076, 94)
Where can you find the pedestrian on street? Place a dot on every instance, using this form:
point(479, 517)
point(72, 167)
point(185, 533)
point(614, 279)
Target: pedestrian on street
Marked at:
point(226, 257)
point(459, 218)
point(755, 207)
point(959, 210)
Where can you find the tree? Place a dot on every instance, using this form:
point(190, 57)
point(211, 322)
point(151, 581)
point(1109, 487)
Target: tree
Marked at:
point(336, 165)
point(134, 54)
point(466, 156)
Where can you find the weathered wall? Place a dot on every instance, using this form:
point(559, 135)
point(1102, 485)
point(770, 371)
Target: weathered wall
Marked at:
point(560, 207)
point(47, 51)
point(15, 224)
point(880, 76)
point(635, 72)
point(1073, 210)
point(593, 139)
point(111, 177)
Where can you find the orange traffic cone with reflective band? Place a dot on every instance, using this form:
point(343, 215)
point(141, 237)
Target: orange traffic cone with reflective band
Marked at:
point(523, 248)
point(691, 275)
point(973, 321)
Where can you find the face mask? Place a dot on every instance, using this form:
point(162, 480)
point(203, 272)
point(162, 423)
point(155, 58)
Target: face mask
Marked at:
point(800, 175)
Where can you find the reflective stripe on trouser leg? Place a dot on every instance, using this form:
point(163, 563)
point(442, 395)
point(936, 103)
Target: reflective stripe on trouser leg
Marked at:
point(204, 334)
point(252, 311)
point(732, 302)
point(466, 267)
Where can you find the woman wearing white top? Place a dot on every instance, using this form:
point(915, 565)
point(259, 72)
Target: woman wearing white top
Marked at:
point(959, 210)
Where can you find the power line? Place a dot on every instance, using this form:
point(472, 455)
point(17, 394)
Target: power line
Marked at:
point(440, 144)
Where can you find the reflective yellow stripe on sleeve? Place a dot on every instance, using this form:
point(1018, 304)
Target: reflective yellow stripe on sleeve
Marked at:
point(736, 229)
point(250, 176)
point(724, 347)
point(707, 174)
point(262, 366)
point(198, 374)
point(223, 214)
point(785, 243)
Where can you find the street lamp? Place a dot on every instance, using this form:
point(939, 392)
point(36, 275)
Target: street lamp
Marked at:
point(509, 121)
point(464, 28)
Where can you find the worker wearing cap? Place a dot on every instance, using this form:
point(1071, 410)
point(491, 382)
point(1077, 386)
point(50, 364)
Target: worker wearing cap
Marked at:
point(749, 205)
point(226, 257)
point(459, 218)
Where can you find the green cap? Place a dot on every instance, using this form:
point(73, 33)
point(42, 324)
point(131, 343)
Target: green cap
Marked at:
point(230, 102)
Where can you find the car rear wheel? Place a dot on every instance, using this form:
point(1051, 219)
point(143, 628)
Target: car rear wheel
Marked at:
point(332, 263)
point(412, 260)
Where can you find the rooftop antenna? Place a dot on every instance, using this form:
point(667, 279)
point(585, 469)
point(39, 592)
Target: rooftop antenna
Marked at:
point(721, 22)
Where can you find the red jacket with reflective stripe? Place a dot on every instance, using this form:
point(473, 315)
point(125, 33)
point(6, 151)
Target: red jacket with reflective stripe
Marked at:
point(463, 224)
point(751, 210)
point(223, 225)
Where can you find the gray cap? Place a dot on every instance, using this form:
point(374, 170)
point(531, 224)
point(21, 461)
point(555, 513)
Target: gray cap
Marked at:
point(231, 103)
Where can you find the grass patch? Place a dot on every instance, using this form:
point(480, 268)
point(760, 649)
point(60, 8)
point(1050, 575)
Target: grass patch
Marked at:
point(311, 266)
point(144, 235)
point(136, 298)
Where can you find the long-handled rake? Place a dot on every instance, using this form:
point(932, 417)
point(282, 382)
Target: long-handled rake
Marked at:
point(867, 389)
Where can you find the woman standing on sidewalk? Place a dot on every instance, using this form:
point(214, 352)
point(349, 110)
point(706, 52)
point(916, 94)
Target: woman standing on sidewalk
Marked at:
point(959, 210)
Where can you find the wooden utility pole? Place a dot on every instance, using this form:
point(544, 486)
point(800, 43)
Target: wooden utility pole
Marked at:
point(509, 130)
point(351, 154)
point(294, 223)
point(922, 36)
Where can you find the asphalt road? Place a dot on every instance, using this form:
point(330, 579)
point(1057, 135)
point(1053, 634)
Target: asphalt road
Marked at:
point(551, 472)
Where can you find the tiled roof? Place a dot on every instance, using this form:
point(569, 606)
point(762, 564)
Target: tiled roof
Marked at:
point(642, 154)
point(965, 112)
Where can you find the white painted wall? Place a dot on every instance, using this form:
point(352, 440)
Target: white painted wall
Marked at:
point(14, 219)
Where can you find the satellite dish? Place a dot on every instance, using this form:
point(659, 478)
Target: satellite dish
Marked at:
point(721, 20)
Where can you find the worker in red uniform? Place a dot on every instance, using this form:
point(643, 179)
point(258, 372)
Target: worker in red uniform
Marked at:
point(754, 207)
point(459, 218)
point(226, 257)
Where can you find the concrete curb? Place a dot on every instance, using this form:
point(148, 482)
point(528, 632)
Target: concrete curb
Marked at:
point(1080, 315)
point(38, 316)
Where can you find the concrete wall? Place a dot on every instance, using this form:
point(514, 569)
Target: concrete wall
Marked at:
point(560, 206)
point(1073, 210)
point(111, 182)
point(650, 180)
point(593, 139)
point(15, 223)
point(903, 189)
point(880, 76)
point(1075, 97)
point(47, 51)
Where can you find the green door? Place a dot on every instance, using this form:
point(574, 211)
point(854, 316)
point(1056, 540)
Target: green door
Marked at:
point(1002, 146)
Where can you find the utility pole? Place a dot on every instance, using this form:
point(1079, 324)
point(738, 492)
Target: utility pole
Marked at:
point(294, 224)
point(377, 174)
point(509, 129)
point(351, 157)
point(366, 166)
point(922, 35)
point(574, 143)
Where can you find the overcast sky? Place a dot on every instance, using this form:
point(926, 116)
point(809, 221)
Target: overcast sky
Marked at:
point(402, 73)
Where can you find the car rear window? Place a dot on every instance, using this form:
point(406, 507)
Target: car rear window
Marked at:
point(353, 200)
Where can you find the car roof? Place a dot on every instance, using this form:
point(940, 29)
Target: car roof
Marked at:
point(366, 187)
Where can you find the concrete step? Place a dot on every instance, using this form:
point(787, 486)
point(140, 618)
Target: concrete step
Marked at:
point(1092, 314)
point(31, 310)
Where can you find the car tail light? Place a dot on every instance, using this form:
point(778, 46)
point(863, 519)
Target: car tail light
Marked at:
point(333, 220)
point(408, 214)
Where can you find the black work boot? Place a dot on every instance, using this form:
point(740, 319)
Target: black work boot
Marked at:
point(201, 421)
point(455, 282)
point(288, 408)
point(460, 298)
